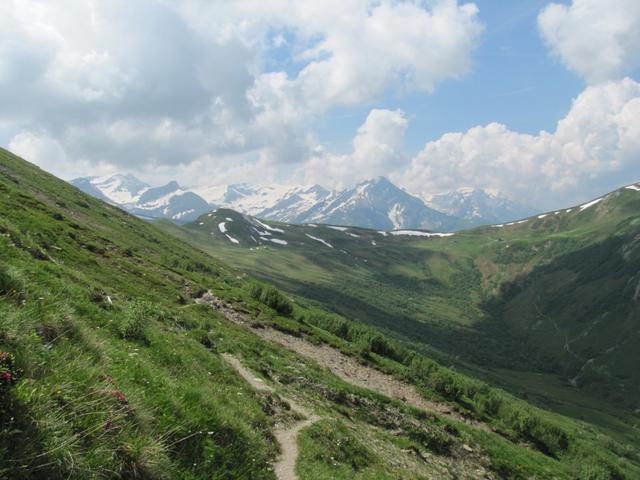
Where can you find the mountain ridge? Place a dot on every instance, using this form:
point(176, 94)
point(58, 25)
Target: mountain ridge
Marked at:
point(375, 203)
point(531, 294)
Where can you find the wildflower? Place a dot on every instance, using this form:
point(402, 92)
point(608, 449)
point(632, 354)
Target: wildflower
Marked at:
point(119, 395)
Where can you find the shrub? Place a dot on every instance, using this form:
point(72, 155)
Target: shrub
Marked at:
point(590, 470)
point(422, 368)
point(548, 438)
point(436, 440)
point(271, 297)
point(135, 320)
point(363, 350)
point(447, 384)
point(490, 403)
point(332, 324)
point(382, 346)
point(8, 370)
point(255, 290)
point(334, 444)
point(9, 284)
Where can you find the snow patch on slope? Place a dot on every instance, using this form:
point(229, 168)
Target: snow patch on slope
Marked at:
point(418, 233)
point(395, 215)
point(268, 227)
point(231, 239)
point(278, 241)
point(319, 240)
point(591, 203)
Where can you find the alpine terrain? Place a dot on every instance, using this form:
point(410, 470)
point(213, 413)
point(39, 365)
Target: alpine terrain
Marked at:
point(320, 240)
point(127, 353)
point(376, 203)
point(545, 306)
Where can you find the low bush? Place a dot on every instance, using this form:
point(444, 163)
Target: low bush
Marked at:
point(334, 444)
point(137, 317)
point(490, 403)
point(10, 285)
point(547, 437)
point(592, 470)
point(272, 297)
point(8, 370)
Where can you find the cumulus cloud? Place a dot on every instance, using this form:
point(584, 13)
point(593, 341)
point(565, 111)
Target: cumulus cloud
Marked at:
point(597, 39)
point(40, 145)
point(595, 148)
point(377, 149)
point(193, 80)
point(369, 47)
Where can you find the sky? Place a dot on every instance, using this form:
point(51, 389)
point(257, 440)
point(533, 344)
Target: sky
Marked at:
point(538, 100)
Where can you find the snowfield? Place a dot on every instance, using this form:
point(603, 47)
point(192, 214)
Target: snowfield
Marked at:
point(590, 204)
point(278, 241)
point(319, 240)
point(268, 227)
point(418, 233)
point(231, 239)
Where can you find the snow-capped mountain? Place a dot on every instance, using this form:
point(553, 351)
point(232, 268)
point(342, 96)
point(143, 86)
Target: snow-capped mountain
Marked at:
point(299, 204)
point(169, 201)
point(280, 202)
point(379, 204)
point(115, 189)
point(375, 203)
point(479, 206)
point(172, 202)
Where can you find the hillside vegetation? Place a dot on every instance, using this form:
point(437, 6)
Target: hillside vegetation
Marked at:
point(547, 307)
point(119, 358)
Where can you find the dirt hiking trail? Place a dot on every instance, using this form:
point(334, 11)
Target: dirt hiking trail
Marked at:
point(287, 436)
point(341, 365)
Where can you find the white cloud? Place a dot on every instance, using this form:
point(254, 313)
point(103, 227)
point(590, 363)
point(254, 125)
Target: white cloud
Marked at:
point(377, 150)
point(595, 148)
point(193, 79)
point(41, 146)
point(597, 39)
point(370, 47)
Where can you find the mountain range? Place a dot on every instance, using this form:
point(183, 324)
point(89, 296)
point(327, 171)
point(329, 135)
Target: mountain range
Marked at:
point(375, 203)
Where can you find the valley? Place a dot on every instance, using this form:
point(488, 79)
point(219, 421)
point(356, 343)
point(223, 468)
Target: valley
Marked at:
point(114, 367)
point(326, 240)
point(543, 298)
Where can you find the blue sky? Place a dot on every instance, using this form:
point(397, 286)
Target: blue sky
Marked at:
point(435, 94)
point(514, 81)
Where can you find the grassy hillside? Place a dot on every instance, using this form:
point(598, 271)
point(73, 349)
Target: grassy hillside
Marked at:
point(113, 366)
point(547, 307)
